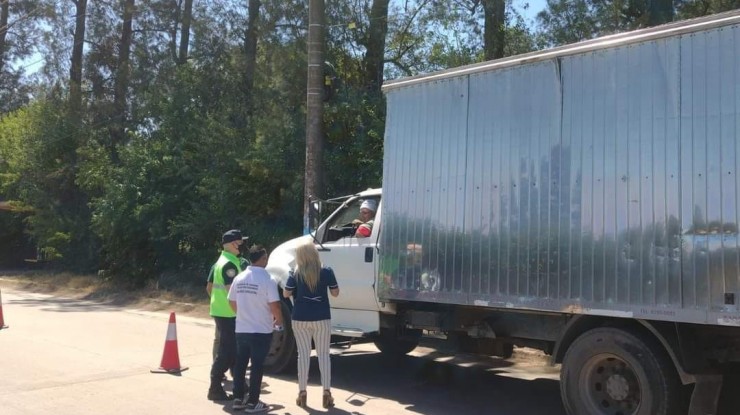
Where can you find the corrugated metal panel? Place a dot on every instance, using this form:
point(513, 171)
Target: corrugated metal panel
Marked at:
point(710, 93)
point(425, 158)
point(603, 182)
point(621, 107)
point(509, 173)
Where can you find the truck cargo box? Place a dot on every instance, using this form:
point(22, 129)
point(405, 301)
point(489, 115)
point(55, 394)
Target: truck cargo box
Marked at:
point(599, 178)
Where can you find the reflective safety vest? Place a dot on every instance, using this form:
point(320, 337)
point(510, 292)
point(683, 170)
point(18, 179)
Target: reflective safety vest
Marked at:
point(219, 294)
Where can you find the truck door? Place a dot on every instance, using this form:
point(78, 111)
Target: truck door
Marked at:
point(352, 258)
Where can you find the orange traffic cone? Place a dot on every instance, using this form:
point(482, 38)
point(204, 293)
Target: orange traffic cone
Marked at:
point(170, 357)
point(2, 321)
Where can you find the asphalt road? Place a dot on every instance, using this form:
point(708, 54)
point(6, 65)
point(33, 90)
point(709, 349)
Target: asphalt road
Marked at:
point(63, 356)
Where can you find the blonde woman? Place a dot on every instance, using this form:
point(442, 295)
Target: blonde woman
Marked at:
point(309, 285)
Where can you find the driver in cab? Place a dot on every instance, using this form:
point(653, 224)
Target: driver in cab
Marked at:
point(366, 220)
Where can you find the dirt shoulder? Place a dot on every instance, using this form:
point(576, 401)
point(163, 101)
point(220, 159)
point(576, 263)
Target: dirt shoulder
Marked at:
point(190, 301)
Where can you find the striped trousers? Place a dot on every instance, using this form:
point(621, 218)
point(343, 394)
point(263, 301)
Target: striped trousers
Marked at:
point(320, 332)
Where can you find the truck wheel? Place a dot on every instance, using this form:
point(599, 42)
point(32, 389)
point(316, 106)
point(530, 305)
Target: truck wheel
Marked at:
point(390, 343)
point(610, 371)
point(282, 356)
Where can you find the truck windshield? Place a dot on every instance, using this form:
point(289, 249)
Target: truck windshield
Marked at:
point(346, 221)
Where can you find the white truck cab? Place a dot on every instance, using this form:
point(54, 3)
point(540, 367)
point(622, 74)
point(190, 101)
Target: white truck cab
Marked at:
point(356, 311)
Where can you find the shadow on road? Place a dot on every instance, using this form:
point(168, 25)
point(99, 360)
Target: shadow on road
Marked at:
point(423, 385)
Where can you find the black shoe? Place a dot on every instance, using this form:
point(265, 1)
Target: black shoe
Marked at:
point(239, 404)
point(218, 395)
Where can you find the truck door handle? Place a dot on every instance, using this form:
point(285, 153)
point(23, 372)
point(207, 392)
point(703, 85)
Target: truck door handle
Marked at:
point(369, 254)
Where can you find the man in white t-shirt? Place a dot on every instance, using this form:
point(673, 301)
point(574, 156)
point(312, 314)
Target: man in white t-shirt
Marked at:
point(254, 297)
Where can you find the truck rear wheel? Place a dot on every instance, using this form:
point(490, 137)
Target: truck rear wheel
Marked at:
point(610, 371)
point(282, 356)
point(392, 343)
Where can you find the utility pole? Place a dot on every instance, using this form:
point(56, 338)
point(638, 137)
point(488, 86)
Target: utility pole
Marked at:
point(314, 107)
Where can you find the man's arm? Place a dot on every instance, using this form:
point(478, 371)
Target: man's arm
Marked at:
point(233, 305)
point(277, 313)
point(228, 273)
point(209, 280)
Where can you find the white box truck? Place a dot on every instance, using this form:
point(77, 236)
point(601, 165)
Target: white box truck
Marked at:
point(583, 200)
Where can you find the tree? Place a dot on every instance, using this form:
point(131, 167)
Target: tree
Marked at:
point(374, 42)
point(567, 21)
point(495, 28)
point(75, 70)
point(4, 16)
point(696, 8)
point(19, 24)
point(250, 52)
point(123, 70)
point(192, 117)
point(187, 15)
point(573, 21)
point(660, 12)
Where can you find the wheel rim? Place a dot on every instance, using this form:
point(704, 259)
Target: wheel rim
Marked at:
point(610, 386)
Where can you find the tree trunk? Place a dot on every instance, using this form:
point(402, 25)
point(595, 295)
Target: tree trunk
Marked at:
point(187, 15)
point(121, 81)
point(375, 55)
point(495, 22)
point(315, 107)
point(250, 51)
point(4, 16)
point(75, 69)
point(661, 11)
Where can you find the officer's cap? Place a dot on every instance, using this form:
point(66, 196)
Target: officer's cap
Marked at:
point(233, 235)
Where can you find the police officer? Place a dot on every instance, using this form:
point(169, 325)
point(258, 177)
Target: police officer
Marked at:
point(244, 262)
point(224, 271)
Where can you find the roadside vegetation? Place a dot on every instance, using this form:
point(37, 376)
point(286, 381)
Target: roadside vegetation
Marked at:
point(157, 295)
point(132, 133)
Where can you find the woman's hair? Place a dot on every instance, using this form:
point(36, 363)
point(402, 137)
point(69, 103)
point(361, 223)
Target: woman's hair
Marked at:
point(308, 265)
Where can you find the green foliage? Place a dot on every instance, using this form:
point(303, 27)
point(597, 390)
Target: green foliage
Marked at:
point(206, 150)
point(14, 244)
point(38, 146)
point(569, 21)
point(687, 9)
point(354, 142)
point(198, 173)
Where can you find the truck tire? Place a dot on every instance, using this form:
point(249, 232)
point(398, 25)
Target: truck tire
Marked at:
point(390, 343)
point(282, 357)
point(611, 371)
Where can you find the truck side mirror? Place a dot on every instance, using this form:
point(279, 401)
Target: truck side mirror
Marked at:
point(314, 214)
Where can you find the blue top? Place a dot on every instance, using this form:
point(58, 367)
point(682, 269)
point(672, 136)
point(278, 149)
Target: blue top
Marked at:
point(312, 306)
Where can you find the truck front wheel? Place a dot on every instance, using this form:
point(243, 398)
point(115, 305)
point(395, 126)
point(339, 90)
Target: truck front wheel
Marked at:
point(610, 371)
point(282, 356)
point(392, 343)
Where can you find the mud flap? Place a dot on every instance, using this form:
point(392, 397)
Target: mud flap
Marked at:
point(705, 398)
